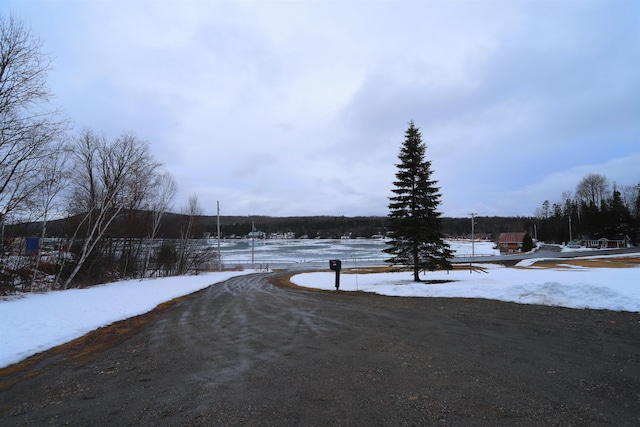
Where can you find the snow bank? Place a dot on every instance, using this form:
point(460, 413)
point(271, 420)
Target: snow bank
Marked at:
point(595, 288)
point(37, 322)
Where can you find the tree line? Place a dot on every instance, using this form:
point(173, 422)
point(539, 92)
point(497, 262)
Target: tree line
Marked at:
point(94, 181)
point(324, 227)
point(597, 208)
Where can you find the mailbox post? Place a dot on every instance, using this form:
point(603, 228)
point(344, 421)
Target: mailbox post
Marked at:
point(336, 265)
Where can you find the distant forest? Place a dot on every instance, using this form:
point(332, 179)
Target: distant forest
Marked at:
point(595, 210)
point(136, 224)
point(127, 250)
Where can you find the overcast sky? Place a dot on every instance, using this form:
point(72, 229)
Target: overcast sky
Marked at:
point(299, 107)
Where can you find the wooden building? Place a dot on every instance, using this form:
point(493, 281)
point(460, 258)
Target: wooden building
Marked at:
point(511, 242)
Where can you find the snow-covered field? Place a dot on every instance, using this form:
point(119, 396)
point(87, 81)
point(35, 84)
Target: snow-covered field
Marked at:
point(36, 322)
point(574, 287)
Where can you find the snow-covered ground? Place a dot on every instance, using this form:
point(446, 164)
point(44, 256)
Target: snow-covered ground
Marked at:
point(569, 286)
point(36, 322)
point(32, 323)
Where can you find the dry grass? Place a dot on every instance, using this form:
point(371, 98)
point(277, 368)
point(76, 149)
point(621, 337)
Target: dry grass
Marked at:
point(368, 270)
point(396, 269)
point(86, 347)
point(611, 262)
point(284, 281)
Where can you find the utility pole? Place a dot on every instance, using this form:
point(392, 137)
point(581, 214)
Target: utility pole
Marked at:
point(219, 259)
point(473, 239)
point(253, 242)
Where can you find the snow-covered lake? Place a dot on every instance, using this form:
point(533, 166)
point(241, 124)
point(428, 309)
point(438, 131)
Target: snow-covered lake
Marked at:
point(321, 250)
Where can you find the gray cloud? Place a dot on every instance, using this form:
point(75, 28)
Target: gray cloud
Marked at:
point(293, 108)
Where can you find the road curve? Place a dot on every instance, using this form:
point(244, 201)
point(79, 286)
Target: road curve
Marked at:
point(245, 352)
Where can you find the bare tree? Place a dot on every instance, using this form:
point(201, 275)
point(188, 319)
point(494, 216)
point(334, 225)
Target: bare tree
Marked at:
point(53, 174)
point(193, 209)
point(592, 189)
point(104, 179)
point(543, 213)
point(163, 192)
point(629, 195)
point(567, 203)
point(138, 191)
point(27, 124)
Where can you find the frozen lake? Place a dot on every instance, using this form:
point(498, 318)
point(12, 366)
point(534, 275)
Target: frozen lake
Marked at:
point(320, 251)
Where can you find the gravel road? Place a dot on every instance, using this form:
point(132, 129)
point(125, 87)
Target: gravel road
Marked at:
point(246, 352)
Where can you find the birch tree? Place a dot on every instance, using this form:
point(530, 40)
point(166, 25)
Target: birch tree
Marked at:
point(105, 176)
point(192, 210)
point(162, 195)
point(53, 172)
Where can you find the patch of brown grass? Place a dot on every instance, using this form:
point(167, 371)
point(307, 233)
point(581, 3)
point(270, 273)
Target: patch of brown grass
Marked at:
point(87, 346)
point(612, 262)
point(284, 281)
point(397, 269)
point(20, 370)
point(370, 270)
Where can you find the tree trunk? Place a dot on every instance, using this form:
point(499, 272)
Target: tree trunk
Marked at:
point(38, 253)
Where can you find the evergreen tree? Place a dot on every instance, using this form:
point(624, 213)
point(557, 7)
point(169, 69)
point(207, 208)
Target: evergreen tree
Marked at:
point(617, 215)
point(414, 222)
point(635, 234)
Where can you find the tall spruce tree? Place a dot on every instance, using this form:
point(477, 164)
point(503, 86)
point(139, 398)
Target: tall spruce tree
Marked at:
point(414, 222)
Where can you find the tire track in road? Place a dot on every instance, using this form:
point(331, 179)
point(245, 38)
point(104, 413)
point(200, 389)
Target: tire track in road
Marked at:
point(245, 352)
point(238, 324)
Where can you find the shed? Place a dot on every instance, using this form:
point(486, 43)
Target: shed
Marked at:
point(511, 242)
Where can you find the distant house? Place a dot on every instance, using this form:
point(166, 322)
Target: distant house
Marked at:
point(512, 242)
point(256, 235)
point(614, 242)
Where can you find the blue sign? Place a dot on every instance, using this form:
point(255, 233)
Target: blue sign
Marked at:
point(32, 245)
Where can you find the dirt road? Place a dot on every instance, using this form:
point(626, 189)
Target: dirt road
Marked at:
point(245, 352)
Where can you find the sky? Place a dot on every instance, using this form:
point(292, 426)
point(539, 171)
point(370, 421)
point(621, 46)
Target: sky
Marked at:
point(287, 108)
point(35, 322)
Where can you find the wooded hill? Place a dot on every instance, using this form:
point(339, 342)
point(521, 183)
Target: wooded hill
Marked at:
point(136, 224)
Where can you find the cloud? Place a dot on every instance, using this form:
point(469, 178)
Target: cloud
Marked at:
point(524, 200)
point(295, 108)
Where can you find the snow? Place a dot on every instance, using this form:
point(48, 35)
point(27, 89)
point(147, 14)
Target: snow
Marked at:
point(570, 286)
point(32, 323)
point(321, 250)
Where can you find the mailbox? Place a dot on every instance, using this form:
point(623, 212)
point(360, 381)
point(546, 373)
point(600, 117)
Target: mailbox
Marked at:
point(336, 265)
